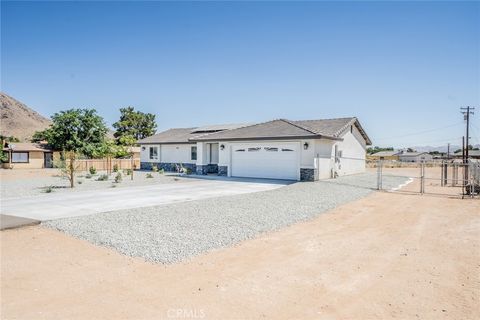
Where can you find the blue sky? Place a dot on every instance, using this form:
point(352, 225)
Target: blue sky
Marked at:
point(403, 68)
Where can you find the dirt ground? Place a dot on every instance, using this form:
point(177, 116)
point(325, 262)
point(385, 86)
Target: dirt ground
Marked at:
point(389, 255)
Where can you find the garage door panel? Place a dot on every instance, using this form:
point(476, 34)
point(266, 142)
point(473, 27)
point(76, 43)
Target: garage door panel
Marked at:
point(266, 160)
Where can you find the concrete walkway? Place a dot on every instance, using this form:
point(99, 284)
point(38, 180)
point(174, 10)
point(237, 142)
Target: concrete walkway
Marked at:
point(78, 203)
point(10, 222)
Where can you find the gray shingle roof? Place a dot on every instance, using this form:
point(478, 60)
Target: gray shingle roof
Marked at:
point(386, 153)
point(282, 128)
point(275, 129)
point(177, 135)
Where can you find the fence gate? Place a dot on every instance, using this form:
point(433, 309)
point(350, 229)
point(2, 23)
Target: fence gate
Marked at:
point(449, 178)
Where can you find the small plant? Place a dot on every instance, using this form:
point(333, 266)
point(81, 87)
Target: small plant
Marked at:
point(88, 176)
point(154, 168)
point(118, 177)
point(115, 167)
point(103, 177)
point(149, 176)
point(128, 172)
point(49, 189)
point(161, 171)
point(79, 181)
point(92, 170)
point(113, 185)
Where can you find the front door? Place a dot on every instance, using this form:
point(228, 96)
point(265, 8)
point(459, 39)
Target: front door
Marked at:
point(48, 159)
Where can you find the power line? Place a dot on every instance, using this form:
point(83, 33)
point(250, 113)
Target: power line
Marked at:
point(421, 132)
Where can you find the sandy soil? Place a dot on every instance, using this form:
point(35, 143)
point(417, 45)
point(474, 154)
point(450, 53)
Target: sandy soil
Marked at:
point(385, 256)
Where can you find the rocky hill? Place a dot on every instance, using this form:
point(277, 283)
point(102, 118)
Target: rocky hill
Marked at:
point(18, 120)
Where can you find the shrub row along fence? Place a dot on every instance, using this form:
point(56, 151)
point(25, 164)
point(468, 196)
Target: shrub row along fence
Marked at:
point(106, 164)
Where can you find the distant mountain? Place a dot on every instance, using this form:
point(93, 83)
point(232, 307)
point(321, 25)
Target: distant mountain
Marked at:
point(18, 120)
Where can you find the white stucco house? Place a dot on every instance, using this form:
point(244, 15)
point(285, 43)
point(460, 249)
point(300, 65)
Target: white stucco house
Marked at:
point(279, 149)
point(414, 156)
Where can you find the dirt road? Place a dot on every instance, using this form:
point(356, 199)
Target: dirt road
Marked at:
point(385, 256)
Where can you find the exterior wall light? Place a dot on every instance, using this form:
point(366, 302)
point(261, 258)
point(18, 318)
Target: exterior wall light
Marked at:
point(143, 148)
point(305, 146)
point(222, 146)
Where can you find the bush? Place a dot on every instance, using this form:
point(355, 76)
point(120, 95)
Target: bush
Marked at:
point(88, 176)
point(118, 177)
point(103, 177)
point(149, 176)
point(115, 167)
point(161, 171)
point(154, 168)
point(79, 181)
point(49, 189)
point(129, 172)
point(92, 170)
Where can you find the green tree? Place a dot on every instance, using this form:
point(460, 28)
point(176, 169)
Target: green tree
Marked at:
point(376, 149)
point(133, 125)
point(75, 132)
point(9, 138)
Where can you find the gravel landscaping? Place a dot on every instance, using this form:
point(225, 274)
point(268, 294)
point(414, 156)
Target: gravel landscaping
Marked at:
point(172, 233)
point(37, 185)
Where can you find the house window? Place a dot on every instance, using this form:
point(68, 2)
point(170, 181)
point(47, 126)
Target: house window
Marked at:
point(254, 149)
point(20, 157)
point(153, 153)
point(240, 150)
point(271, 149)
point(287, 150)
point(193, 153)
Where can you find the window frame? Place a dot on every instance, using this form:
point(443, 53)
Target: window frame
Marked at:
point(193, 153)
point(150, 153)
point(17, 152)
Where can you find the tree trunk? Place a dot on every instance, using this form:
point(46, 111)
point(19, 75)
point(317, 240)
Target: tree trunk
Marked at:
point(72, 170)
point(131, 166)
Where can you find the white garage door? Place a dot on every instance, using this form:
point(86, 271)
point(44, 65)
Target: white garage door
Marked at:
point(266, 160)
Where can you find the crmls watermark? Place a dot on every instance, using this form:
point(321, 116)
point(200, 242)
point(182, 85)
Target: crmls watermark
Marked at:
point(185, 313)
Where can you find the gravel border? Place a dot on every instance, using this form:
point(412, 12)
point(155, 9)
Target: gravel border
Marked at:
point(172, 233)
point(38, 185)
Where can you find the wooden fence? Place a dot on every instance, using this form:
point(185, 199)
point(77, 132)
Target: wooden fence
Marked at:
point(106, 164)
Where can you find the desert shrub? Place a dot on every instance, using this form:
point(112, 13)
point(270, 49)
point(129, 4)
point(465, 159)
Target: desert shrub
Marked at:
point(92, 170)
point(128, 172)
point(149, 176)
point(118, 177)
point(113, 186)
point(79, 181)
point(161, 171)
point(48, 189)
point(88, 176)
point(115, 167)
point(103, 177)
point(154, 168)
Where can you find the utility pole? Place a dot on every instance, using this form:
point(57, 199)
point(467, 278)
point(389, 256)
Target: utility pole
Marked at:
point(448, 151)
point(467, 111)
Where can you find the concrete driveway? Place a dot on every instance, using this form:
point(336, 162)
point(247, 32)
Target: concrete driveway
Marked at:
point(78, 203)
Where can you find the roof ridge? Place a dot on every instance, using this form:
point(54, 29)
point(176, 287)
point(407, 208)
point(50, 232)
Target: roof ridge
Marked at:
point(349, 123)
point(298, 126)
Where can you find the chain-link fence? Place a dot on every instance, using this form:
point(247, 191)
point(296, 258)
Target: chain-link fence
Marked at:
point(451, 178)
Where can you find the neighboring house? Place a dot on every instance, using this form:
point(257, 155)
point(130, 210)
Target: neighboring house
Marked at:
point(472, 154)
point(415, 156)
point(385, 155)
point(278, 149)
point(29, 155)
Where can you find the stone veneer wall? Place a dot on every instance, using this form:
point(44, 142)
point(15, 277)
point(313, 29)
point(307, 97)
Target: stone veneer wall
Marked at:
point(307, 174)
point(222, 170)
point(167, 166)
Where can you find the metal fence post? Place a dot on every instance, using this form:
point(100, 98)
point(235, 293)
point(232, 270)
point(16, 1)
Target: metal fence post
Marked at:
point(442, 174)
point(379, 174)
point(422, 177)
